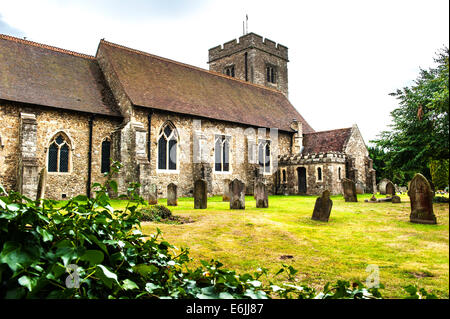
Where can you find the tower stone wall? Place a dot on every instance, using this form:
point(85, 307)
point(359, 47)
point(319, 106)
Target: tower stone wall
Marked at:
point(250, 57)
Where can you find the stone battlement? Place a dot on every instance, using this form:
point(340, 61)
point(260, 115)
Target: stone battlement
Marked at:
point(329, 157)
point(248, 41)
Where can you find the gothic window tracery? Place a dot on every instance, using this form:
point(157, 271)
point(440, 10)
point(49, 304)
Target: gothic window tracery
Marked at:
point(59, 153)
point(264, 155)
point(167, 147)
point(222, 153)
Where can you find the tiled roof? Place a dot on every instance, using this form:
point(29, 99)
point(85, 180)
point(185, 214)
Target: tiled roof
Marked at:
point(159, 83)
point(326, 141)
point(39, 74)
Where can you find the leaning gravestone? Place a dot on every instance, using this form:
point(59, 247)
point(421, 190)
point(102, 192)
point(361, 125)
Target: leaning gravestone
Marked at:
point(421, 197)
point(40, 194)
point(172, 199)
point(390, 189)
point(237, 194)
point(262, 200)
point(200, 194)
point(226, 191)
point(153, 195)
point(322, 208)
point(349, 190)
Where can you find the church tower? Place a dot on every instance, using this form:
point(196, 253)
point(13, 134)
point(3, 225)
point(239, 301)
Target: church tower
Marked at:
point(253, 59)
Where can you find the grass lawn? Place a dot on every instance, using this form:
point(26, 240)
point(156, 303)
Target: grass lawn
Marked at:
point(357, 234)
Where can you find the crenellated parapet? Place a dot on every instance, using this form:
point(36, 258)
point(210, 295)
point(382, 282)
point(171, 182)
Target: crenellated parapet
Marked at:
point(248, 41)
point(317, 158)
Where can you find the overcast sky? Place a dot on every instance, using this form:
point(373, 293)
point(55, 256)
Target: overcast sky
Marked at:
point(345, 56)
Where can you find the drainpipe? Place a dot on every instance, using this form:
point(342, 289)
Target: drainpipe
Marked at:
point(89, 177)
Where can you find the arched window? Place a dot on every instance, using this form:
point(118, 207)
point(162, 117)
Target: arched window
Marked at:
point(59, 154)
point(222, 153)
point(264, 155)
point(284, 176)
point(106, 155)
point(339, 173)
point(319, 173)
point(167, 147)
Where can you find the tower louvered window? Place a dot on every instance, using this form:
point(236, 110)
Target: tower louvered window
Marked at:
point(59, 154)
point(229, 71)
point(106, 155)
point(271, 74)
point(167, 147)
point(222, 153)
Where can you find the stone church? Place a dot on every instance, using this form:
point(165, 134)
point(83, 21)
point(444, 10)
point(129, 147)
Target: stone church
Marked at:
point(69, 114)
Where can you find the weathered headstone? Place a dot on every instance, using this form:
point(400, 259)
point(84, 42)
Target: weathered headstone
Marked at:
point(153, 195)
point(349, 190)
point(40, 194)
point(396, 199)
point(262, 199)
point(237, 194)
point(172, 199)
point(322, 208)
point(390, 188)
point(359, 189)
point(226, 191)
point(200, 194)
point(421, 197)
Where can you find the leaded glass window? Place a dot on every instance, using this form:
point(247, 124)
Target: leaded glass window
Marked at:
point(59, 154)
point(167, 147)
point(222, 153)
point(264, 155)
point(106, 155)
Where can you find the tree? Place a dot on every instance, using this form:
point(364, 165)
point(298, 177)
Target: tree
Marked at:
point(439, 173)
point(420, 129)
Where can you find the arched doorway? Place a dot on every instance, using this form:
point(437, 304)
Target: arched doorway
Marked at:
point(301, 173)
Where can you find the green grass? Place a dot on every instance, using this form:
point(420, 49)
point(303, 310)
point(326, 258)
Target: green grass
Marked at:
point(357, 234)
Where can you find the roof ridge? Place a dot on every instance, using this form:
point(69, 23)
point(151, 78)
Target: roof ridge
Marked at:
point(337, 129)
point(189, 66)
point(45, 46)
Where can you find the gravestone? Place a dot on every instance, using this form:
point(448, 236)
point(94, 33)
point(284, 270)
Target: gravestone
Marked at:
point(172, 199)
point(349, 190)
point(237, 194)
point(421, 197)
point(396, 199)
point(390, 188)
point(200, 194)
point(226, 191)
point(261, 195)
point(373, 198)
point(40, 194)
point(153, 195)
point(322, 208)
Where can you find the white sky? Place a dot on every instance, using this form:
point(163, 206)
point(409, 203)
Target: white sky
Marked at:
point(345, 56)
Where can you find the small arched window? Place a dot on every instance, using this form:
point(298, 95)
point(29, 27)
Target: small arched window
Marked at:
point(339, 173)
point(319, 173)
point(167, 147)
point(106, 156)
point(59, 154)
point(284, 176)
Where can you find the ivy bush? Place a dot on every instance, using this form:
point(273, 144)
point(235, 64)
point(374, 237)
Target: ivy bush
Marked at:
point(86, 249)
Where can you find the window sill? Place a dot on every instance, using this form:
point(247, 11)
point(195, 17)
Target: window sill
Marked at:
point(222, 172)
point(59, 173)
point(167, 171)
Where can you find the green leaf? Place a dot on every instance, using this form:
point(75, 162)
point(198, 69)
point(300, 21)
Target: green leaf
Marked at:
point(150, 287)
point(16, 256)
point(28, 282)
point(129, 285)
point(46, 236)
point(93, 257)
point(106, 276)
